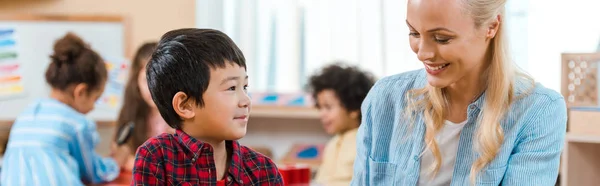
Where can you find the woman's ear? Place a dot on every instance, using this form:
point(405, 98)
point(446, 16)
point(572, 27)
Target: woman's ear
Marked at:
point(494, 27)
point(183, 106)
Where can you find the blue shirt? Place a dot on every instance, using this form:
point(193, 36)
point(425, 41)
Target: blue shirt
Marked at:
point(51, 144)
point(388, 153)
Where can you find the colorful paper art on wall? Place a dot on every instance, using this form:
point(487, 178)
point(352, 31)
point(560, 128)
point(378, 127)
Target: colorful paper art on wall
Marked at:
point(11, 79)
point(118, 70)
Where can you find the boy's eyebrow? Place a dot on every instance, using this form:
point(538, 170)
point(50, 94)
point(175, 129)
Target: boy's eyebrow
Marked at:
point(231, 78)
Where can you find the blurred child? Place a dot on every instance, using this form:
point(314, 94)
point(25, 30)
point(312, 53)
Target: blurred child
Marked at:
point(197, 79)
point(339, 91)
point(52, 142)
point(138, 108)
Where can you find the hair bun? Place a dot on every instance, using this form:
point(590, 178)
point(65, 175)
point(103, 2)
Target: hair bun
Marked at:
point(68, 48)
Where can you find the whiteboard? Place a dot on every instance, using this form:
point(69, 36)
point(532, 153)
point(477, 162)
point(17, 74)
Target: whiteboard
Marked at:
point(34, 41)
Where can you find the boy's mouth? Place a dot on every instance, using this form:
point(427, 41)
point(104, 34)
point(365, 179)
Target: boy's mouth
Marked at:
point(243, 117)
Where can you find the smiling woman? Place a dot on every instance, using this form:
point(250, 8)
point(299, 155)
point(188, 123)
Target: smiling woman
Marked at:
point(470, 117)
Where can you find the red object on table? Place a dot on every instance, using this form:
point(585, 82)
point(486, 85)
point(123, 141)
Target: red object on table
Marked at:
point(295, 174)
point(221, 182)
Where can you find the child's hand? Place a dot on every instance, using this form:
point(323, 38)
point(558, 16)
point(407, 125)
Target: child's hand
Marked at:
point(121, 154)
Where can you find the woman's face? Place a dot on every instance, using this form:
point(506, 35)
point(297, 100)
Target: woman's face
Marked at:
point(447, 41)
point(143, 85)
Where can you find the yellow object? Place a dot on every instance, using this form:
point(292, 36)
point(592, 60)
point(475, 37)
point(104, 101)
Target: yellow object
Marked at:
point(338, 160)
point(14, 89)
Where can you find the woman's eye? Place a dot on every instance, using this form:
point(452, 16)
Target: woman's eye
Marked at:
point(442, 40)
point(414, 34)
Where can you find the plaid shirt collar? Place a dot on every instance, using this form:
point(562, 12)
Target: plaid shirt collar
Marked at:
point(196, 147)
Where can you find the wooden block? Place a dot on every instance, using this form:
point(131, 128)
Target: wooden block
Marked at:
point(584, 121)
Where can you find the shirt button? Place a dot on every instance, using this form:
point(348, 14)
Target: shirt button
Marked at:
point(416, 158)
point(193, 159)
point(472, 106)
point(228, 178)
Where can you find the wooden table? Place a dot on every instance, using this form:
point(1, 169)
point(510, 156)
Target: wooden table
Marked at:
point(123, 179)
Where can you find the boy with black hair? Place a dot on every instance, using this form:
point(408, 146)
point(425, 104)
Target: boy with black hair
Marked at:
point(197, 78)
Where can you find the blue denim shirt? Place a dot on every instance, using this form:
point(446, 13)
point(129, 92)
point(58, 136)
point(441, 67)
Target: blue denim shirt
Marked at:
point(388, 153)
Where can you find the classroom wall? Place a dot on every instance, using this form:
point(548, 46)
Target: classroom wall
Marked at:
point(147, 23)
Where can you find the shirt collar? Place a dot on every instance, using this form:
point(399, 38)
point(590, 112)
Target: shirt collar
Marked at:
point(195, 147)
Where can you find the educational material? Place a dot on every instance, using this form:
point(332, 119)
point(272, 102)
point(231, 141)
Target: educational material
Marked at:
point(118, 70)
point(580, 79)
point(276, 99)
point(25, 51)
point(309, 154)
point(11, 81)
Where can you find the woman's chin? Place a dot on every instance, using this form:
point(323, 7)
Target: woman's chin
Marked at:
point(437, 82)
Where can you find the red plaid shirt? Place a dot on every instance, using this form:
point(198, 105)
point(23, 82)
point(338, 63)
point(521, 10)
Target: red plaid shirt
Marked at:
point(179, 159)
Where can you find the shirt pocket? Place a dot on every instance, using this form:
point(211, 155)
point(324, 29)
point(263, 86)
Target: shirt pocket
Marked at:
point(492, 176)
point(382, 173)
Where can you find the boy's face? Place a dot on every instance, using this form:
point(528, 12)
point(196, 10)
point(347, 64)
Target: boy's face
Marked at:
point(226, 106)
point(334, 117)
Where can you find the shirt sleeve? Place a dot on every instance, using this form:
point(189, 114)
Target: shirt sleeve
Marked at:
point(363, 143)
point(147, 168)
point(536, 157)
point(93, 167)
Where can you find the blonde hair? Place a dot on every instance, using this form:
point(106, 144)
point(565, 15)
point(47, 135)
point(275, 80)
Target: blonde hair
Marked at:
point(500, 78)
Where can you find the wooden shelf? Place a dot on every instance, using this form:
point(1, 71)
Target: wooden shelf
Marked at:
point(582, 138)
point(287, 112)
point(580, 164)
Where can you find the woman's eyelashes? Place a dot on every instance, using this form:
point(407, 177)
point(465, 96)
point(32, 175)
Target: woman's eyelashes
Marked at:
point(442, 39)
point(438, 39)
point(414, 34)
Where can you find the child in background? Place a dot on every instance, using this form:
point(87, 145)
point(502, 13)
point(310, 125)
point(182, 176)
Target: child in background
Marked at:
point(52, 142)
point(197, 79)
point(339, 91)
point(138, 108)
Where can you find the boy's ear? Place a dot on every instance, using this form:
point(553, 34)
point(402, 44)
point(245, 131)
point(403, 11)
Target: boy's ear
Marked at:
point(354, 114)
point(183, 106)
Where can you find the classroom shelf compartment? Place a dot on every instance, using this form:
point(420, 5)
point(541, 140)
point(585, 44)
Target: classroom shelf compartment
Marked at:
point(287, 112)
point(580, 163)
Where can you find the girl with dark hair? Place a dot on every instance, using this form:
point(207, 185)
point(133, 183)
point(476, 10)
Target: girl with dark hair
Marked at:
point(52, 142)
point(139, 118)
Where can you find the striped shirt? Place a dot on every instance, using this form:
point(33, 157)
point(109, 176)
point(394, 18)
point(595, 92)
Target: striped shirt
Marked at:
point(52, 144)
point(388, 153)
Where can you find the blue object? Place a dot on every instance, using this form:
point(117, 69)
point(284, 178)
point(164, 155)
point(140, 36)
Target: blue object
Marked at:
point(270, 98)
point(297, 102)
point(7, 42)
point(6, 32)
point(308, 153)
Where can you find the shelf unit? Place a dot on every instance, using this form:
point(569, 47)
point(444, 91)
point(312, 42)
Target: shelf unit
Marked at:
point(287, 112)
point(581, 161)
